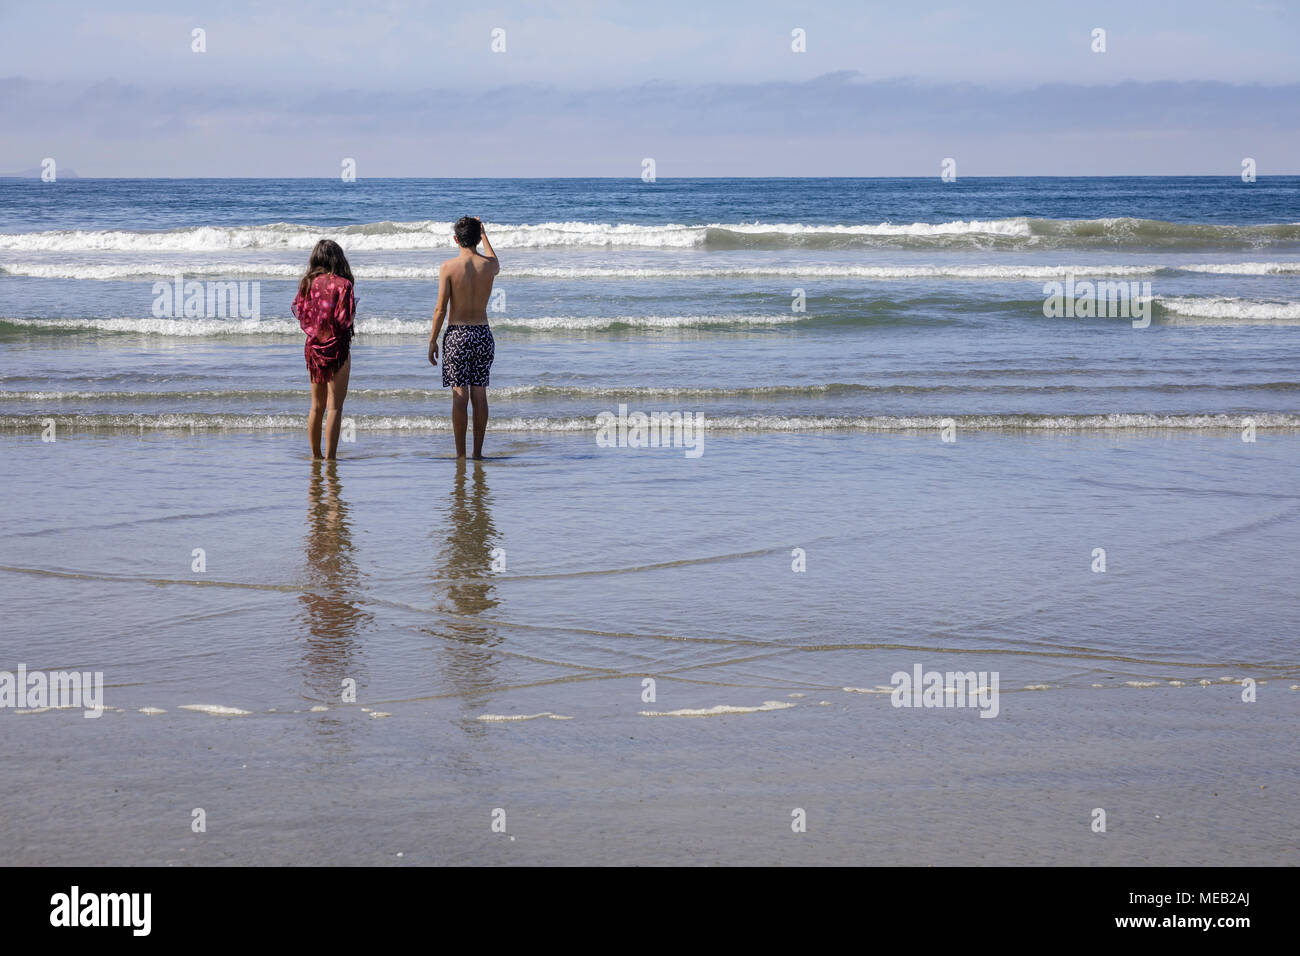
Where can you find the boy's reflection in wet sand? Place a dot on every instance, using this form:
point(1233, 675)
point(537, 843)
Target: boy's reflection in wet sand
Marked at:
point(463, 584)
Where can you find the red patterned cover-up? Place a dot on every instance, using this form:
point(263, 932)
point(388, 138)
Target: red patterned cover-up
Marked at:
point(326, 314)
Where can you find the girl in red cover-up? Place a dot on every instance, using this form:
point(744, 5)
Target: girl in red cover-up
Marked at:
point(325, 307)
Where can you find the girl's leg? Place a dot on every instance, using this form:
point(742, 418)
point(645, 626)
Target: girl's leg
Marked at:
point(315, 415)
point(336, 391)
point(479, 395)
point(459, 416)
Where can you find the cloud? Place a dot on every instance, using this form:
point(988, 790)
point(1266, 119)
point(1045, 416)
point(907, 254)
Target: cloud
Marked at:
point(213, 129)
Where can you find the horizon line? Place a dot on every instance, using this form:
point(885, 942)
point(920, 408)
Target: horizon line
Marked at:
point(77, 178)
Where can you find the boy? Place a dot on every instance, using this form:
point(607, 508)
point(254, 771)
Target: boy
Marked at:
point(464, 288)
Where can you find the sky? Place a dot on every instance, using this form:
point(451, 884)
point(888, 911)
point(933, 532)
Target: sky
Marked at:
point(588, 88)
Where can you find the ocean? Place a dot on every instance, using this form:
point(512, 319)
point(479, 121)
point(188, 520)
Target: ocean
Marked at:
point(1039, 428)
point(920, 300)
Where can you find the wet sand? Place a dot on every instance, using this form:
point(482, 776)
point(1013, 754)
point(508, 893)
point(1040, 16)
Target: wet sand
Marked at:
point(622, 565)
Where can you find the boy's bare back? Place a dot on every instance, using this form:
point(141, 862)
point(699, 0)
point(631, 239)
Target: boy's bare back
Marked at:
point(468, 277)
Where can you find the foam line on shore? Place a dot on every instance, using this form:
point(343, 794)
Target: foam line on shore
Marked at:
point(1115, 421)
point(720, 710)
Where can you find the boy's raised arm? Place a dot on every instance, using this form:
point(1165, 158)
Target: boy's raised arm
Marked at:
point(489, 254)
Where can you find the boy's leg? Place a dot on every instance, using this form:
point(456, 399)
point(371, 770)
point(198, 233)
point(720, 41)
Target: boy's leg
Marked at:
point(478, 394)
point(459, 416)
point(315, 415)
point(336, 391)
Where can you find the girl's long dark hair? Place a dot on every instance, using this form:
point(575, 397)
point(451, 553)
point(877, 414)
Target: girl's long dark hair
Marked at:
point(326, 257)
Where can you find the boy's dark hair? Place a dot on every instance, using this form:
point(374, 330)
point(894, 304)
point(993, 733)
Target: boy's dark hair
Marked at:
point(468, 232)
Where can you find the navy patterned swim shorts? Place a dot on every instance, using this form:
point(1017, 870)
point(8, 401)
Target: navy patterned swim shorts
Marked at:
point(467, 352)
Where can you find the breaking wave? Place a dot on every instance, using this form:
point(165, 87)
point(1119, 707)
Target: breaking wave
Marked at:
point(1018, 232)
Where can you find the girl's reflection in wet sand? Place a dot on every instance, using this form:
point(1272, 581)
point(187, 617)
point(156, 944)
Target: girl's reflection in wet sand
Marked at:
point(331, 614)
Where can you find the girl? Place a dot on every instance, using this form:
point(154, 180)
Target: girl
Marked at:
point(324, 307)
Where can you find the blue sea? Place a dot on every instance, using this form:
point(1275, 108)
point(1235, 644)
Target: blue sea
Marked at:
point(1044, 428)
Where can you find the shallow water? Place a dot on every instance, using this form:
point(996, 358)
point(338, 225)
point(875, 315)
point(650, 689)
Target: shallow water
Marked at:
point(643, 560)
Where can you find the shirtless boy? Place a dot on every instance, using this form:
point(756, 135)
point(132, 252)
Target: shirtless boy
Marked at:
point(464, 288)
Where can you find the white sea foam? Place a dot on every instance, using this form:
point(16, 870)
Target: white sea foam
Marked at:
point(155, 270)
point(720, 423)
point(1202, 309)
point(198, 328)
point(203, 328)
point(169, 327)
point(381, 236)
point(719, 710)
point(1232, 310)
point(234, 270)
point(797, 269)
point(984, 227)
point(643, 392)
point(600, 323)
point(164, 270)
point(1246, 268)
point(629, 393)
point(503, 718)
point(433, 235)
point(436, 235)
point(217, 710)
